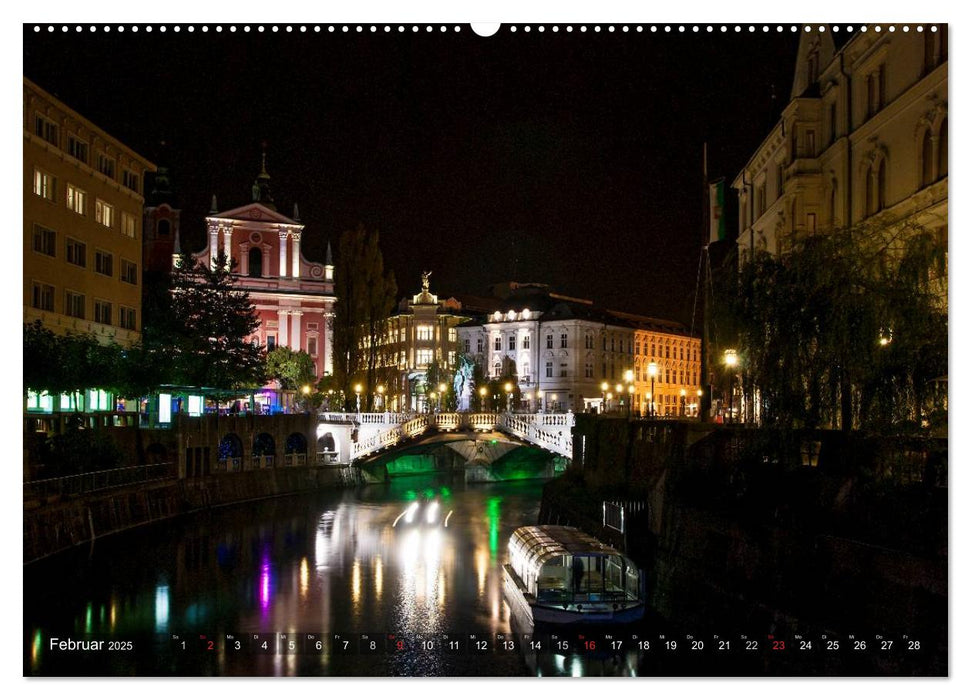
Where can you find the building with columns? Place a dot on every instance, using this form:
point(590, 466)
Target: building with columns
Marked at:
point(293, 296)
point(863, 140)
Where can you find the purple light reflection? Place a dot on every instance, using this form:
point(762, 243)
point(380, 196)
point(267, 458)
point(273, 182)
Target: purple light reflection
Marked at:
point(264, 583)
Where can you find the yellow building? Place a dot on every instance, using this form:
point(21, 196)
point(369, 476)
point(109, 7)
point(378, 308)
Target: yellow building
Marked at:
point(82, 224)
point(676, 359)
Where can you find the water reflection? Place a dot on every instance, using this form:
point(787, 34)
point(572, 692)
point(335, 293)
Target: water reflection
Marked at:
point(324, 565)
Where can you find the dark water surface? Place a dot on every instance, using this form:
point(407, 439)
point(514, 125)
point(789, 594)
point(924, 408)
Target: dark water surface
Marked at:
point(397, 597)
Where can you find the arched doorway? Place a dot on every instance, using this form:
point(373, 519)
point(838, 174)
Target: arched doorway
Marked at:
point(264, 450)
point(230, 456)
point(295, 452)
point(327, 449)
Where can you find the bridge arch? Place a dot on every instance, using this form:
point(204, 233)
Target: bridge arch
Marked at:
point(264, 445)
point(230, 447)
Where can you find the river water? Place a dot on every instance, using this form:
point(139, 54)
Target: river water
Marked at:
point(327, 584)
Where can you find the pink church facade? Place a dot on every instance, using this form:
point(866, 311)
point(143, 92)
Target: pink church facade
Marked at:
point(293, 296)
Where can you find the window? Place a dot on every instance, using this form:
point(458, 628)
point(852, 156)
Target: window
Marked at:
point(525, 342)
point(811, 222)
point(77, 148)
point(549, 342)
point(512, 342)
point(46, 129)
point(312, 346)
point(103, 213)
point(44, 185)
point(106, 165)
point(588, 342)
point(76, 200)
point(74, 304)
point(424, 357)
point(497, 369)
point(128, 224)
point(42, 296)
point(162, 228)
point(129, 180)
point(479, 345)
point(468, 345)
point(562, 340)
point(562, 369)
point(667, 352)
point(451, 358)
point(76, 253)
point(875, 91)
point(452, 335)
point(811, 143)
point(126, 318)
point(129, 272)
point(588, 370)
point(102, 312)
point(270, 342)
point(44, 241)
point(760, 199)
point(103, 263)
point(549, 370)
point(498, 343)
point(254, 263)
point(425, 332)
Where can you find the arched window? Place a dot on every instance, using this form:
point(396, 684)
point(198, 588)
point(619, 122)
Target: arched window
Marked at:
point(255, 262)
point(497, 369)
point(942, 150)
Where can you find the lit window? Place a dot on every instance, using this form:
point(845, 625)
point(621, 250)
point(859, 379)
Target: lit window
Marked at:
point(42, 296)
point(103, 213)
point(425, 332)
point(452, 335)
point(76, 199)
point(102, 312)
point(44, 241)
point(44, 185)
point(525, 342)
point(311, 346)
point(424, 357)
point(103, 263)
point(74, 304)
point(128, 224)
point(76, 253)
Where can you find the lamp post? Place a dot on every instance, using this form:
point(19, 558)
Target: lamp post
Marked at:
point(701, 393)
point(482, 395)
point(508, 387)
point(381, 395)
point(603, 393)
point(652, 373)
point(357, 392)
point(731, 361)
point(441, 395)
point(431, 401)
point(630, 398)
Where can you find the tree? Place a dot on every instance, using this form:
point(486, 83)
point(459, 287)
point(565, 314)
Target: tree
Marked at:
point(848, 328)
point(365, 296)
point(293, 369)
point(211, 323)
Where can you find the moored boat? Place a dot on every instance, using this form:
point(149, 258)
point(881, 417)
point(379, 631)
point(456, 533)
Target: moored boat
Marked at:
point(561, 574)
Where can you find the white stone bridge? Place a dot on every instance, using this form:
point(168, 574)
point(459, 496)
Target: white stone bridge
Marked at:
point(343, 438)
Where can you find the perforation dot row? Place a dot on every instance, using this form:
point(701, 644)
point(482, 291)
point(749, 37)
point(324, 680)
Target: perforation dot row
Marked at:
point(302, 28)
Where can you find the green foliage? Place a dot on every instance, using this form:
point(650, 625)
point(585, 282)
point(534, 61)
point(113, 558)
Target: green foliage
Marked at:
point(78, 450)
point(69, 364)
point(365, 296)
point(811, 321)
point(293, 369)
point(210, 321)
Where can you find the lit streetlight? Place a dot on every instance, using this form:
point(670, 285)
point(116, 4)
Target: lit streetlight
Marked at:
point(604, 388)
point(441, 394)
point(381, 394)
point(630, 398)
point(652, 373)
point(730, 359)
point(508, 388)
point(482, 395)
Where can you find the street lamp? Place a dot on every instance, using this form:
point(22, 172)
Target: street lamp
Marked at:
point(630, 398)
point(652, 373)
point(508, 387)
point(701, 392)
point(431, 400)
point(441, 394)
point(731, 361)
point(553, 397)
point(357, 391)
point(381, 395)
point(603, 392)
point(482, 395)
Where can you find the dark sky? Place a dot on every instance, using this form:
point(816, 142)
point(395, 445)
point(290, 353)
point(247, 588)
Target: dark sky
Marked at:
point(572, 159)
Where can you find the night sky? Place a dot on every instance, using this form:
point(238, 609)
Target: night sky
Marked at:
point(571, 159)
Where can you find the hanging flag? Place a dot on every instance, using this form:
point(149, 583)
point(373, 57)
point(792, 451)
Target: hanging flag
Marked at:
point(716, 210)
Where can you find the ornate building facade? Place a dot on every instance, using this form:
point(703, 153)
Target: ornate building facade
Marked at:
point(293, 296)
point(863, 140)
